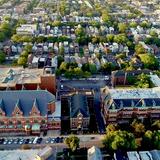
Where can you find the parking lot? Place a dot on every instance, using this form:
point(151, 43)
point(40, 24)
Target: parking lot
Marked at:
point(34, 140)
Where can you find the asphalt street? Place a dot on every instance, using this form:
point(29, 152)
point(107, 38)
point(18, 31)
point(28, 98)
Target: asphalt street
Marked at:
point(85, 141)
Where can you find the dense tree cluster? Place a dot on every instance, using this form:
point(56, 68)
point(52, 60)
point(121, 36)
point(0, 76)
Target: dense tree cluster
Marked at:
point(140, 81)
point(136, 135)
point(23, 59)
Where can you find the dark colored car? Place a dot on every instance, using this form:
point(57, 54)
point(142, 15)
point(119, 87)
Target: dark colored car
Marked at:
point(39, 140)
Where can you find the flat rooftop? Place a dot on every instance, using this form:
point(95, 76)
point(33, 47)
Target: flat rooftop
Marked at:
point(135, 93)
point(18, 154)
point(11, 76)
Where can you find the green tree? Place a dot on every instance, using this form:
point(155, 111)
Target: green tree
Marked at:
point(72, 142)
point(131, 80)
point(153, 33)
point(107, 67)
point(61, 50)
point(95, 40)
point(156, 125)
point(79, 31)
point(24, 54)
point(120, 38)
point(60, 59)
point(105, 16)
point(139, 49)
point(21, 21)
point(40, 39)
point(16, 38)
point(63, 67)
point(145, 24)
point(121, 56)
point(156, 139)
point(143, 81)
point(2, 36)
point(122, 27)
point(5, 27)
point(26, 39)
point(149, 61)
point(138, 128)
point(28, 48)
point(133, 24)
point(147, 140)
point(110, 37)
point(92, 68)
point(22, 61)
point(123, 140)
point(2, 57)
point(58, 72)
point(111, 127)
point(57, 23)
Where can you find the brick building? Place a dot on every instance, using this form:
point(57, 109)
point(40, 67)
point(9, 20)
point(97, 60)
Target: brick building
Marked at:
point(120, 77)
point(77, 110)
point(28, 79)
point(122, 106)
point(28, 111)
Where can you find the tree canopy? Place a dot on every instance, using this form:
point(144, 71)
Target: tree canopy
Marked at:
point(72, 142)
point(149, 61)
point(123, 140)
point(2, 57)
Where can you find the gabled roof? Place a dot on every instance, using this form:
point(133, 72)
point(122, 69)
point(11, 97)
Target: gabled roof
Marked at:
point(35, 105)
point(25, 100)
point(78, 104)
point(144, 102)
point(18, 105)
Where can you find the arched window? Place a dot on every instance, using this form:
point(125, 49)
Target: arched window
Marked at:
point(1, 123)
point(43, 121)
point(35, 121)
point(27, 122)
point(19, 122)
point(10, 123)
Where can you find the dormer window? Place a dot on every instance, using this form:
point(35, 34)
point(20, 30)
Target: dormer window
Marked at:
point(80, 116)
point(17, 110)
point(35, 109)
point(34, 113)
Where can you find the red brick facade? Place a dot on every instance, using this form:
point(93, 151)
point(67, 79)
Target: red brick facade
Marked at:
point(17, 122)
point(47, 82)
point(126, 114)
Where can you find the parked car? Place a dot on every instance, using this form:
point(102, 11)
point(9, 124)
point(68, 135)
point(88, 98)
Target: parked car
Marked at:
point(39, 140)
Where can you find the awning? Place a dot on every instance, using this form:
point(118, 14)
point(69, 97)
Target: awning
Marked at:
point(35, 127)
point(2, 126)
point(27, 126)
point(10, 126)
point(19, 126)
